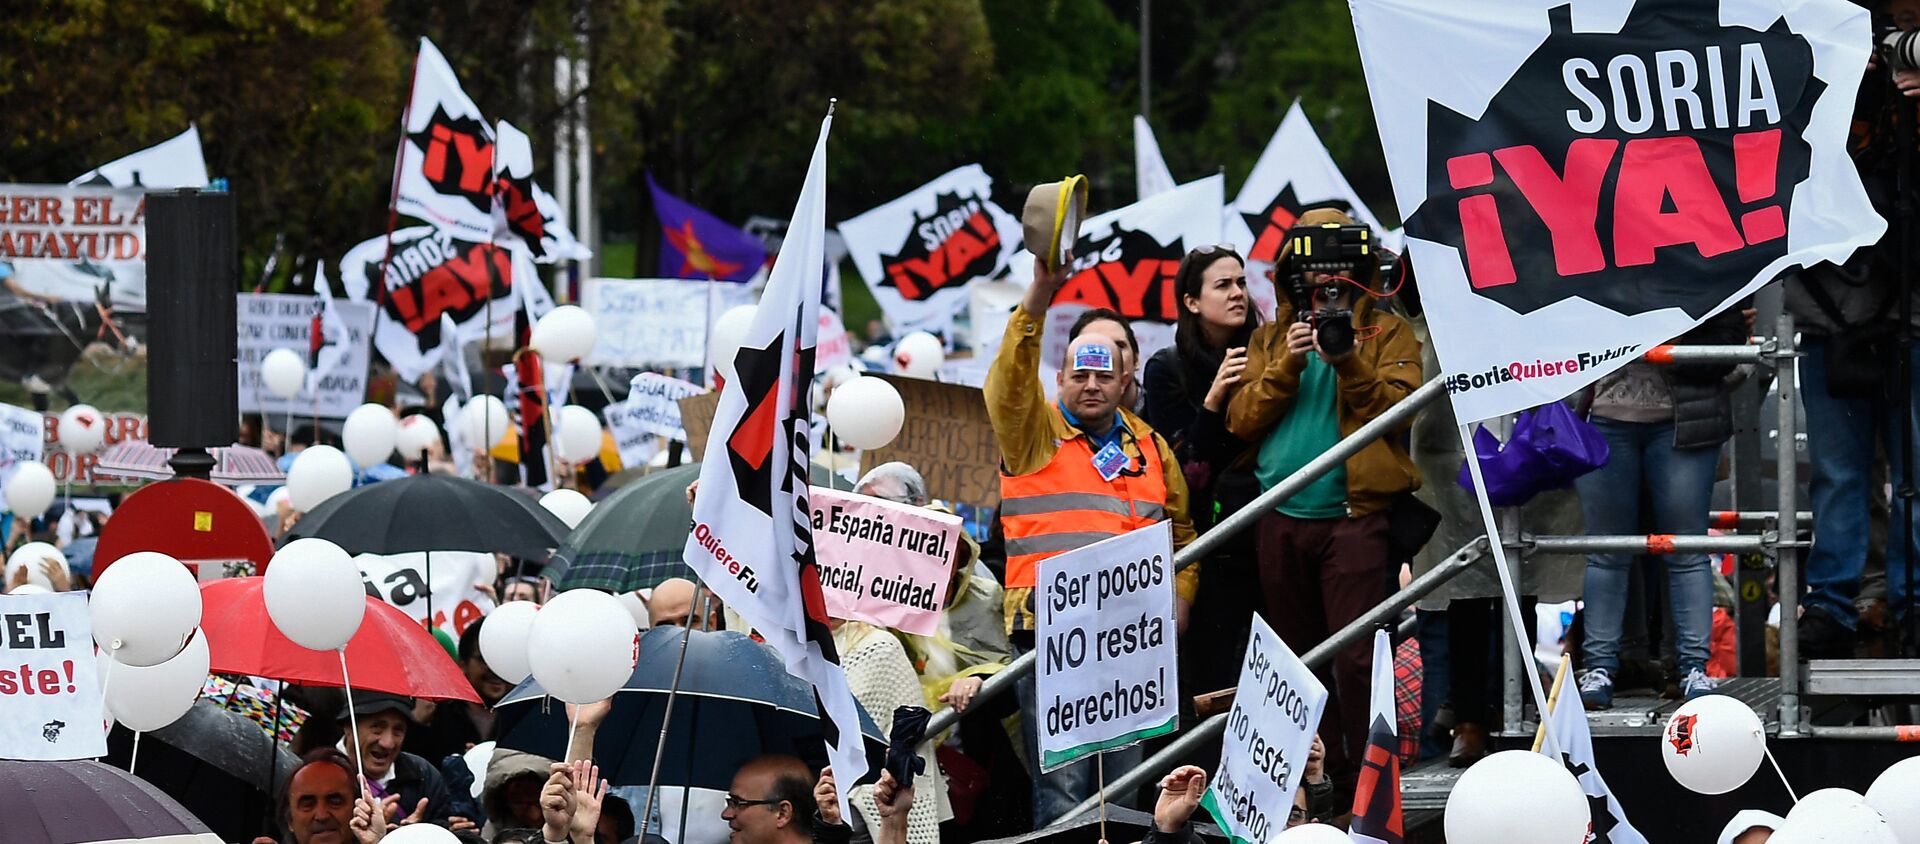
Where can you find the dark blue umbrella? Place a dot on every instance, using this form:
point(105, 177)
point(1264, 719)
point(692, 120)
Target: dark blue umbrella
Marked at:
point(736, 702)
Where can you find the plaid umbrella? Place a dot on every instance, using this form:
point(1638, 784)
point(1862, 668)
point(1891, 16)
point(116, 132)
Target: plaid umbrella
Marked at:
point(234, 465)
point(632, 540)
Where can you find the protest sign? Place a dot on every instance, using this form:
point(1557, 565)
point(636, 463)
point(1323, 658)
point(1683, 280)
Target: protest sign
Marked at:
point(1108, 674)
point(1269, 732)
point(948, 437)
point(880, 562)
point(656, 322)
point(76, 243)
point(652, 408)
point(918, 253)
point(696, 418)
point(49, 679)
point(68, 467)
point(432, 273)
point(271, 321)
point(1589, 178)
point(401, 580)
point(22, 440)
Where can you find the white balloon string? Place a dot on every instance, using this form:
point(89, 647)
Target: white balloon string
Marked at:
point(1776, 769)
point(106, 679)
point(353, 721)
point(1509, 592)
point(134, 758)
point(571, 729)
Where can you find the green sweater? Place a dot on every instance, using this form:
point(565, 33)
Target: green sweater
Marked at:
point(1309, 428)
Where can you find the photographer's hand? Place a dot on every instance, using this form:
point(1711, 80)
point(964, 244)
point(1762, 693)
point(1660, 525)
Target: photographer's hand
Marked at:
point(1231, 367)
point(1908, 81)
point(1299, 343)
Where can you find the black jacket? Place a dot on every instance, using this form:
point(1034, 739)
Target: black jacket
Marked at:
point(414, 778)
point(1702, 393)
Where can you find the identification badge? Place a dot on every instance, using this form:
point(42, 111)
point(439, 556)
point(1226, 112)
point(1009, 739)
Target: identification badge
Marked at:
point(1109, 460)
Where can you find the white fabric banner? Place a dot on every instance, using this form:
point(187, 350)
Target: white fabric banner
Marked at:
point(433, 273)
point(523, 212)
point(401, 580)
point(1570, 728)
point(446, 161)
point(652, 408)
point(918, 253)
point(1150, 174)
point(49, 679)
point(176, 162)
point(271, 321)
point(656, 322)
point(23, 439)
point(1269, 733)
point(1108, 675)
point(1583, 180)
point(76, 244)
point(752, 541)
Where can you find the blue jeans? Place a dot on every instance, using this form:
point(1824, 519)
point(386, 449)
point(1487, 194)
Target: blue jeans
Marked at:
point(1679, 485)
point(1056, 793)
point(1841, 434)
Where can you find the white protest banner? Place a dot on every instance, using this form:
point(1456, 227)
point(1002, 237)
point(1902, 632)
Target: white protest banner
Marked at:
point(880, 562)
point(76, 243)
point(433, 273)
point(919, 252)
point(401, 580)
point(656, 322)
point(446, 162)
point(1108, 673)
point(1269, 732)
point(49, 679)
point(652, 408)
point(271, 321)
point(22, 440)
point(177, 162)
point(1584, 179)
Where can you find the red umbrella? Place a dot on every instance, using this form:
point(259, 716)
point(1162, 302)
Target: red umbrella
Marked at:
point(391, 652)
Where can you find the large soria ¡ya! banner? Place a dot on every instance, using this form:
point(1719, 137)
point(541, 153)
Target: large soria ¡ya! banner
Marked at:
point(1584, 180)
point(430, 273)
point(918, 253)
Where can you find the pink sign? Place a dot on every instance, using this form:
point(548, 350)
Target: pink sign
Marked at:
point(882, 563)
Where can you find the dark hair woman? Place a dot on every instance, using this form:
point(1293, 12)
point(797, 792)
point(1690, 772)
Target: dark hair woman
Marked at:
point(1187, 386)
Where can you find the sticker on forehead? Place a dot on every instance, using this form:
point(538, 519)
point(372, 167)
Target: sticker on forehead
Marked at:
point(1093, 356)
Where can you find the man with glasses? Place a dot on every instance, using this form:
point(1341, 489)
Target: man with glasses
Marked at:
point(771, 802)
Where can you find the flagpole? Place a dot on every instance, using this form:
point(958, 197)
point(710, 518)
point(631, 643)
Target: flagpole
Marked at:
point(1553, 700)
point(666, 715)
point(1509, 592)
point(393, 192)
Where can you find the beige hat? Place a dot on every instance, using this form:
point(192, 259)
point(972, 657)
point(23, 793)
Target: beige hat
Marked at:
point(1052, 218)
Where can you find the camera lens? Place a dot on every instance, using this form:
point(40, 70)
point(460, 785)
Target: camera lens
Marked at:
point(1335, 335)
point(1901, 49)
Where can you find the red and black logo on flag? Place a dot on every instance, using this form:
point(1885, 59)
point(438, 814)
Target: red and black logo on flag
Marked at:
point(1270, 226)
point(515, 197)
point(1376, 797)
point(1644, 169)
point(1128, 271)
point(957, 244)
point(435, 275)
point(457, 157)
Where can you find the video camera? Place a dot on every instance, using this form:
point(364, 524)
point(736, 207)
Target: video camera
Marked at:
point(1899, 50)
point(1329, 250)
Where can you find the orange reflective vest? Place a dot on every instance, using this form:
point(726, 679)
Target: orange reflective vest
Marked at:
point(1067, 505)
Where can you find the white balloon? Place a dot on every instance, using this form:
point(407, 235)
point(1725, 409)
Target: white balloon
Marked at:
point(728, 333)
point(319, 473)
point(1835, 816)
point(30, 589)
point(369, 434)
point(83, 429)
point(284, 372)
point(417, 434)
point(420, 833)
point(1895, 794)
point(146, 698)
point(1713, 744)
point(1517, 796)
point(1312, 833)
point(568, 504)
point(866, 412)
point(503, 639)
point(478, 757)
point(919, 355)
point(636, 607)
point(144, 606)
point(30, 557)
point(483, 422)
point(576, 434)
point(565, 334)
point(314, 594)
point(30, 490)
point(585, 645)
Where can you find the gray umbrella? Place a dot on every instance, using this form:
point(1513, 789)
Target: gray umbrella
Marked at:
point(76, 801)
point(230, 742)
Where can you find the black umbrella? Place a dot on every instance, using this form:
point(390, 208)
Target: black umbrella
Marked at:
point(231, 743)
point(427, 512)
point(736, 702)
point(76, 801)
point(214, 762)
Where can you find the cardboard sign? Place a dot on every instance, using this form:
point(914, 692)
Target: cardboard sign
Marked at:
point(880, 562)
point(1269, 732)
point(696, 418)
point(49, 679)
point(271, 321)
point(656, 322)
point(948, 437)
point(400, 580)
point(22, 440)
point(1109, 673)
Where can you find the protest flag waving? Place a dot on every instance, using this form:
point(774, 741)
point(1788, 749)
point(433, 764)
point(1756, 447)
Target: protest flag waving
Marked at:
point(695, 244)
point(1568, 720)
point(445, 172)
point(1376, 798)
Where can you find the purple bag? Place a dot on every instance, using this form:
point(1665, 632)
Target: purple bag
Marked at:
point(1550, 447)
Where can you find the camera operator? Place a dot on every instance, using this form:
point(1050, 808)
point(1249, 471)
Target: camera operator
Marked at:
point(1328, 363)
point(1856, 391)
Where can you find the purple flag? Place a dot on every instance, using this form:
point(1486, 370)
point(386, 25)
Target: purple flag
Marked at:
point(696, 244)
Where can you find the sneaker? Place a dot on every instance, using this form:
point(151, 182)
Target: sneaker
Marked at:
point(1823, 637)
point(1697, 683)
point(1596, 689)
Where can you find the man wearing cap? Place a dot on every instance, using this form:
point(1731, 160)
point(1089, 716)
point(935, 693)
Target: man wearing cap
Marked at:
point(412, 788)
point(1074, 471)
